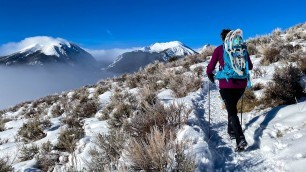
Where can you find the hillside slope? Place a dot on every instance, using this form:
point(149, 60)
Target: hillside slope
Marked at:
point(158, 119)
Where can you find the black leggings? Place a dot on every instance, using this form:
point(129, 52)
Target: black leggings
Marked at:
point(230, 98)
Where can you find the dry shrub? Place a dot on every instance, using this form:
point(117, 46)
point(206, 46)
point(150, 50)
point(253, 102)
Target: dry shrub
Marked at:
point(152, 76)
point(186, 64)
point(153, 68)
point(158, 152)
point(257, 86)
point(284, 88)
point(17, 107)
point(199, 70)
point(302, 64)
point(105, 113)
point(165, 78)
point(252, 50)
point(49, 100)
point(2, 123)
point(85, 109)
point(33, 129)
point(31, 113)
point(158, 115)
point(154, 82)
point(46, 147)
point(259, 73)
point(68, 138)
point(2, 112)
point(148, 95)
point(289, 37)
point(5, 165)
point(119, 79)
point(46, 160)
point(132, 80)
point(271, 55)
point(72, 121)
point(180, 70)
point(181, 85)
point(38, 107)
point(120, 108)
point(80, 105)
point(105, 155)
point(64, 103)
point(57, 110)
point(122, 96)
point(45, 101)
point(207, 52)
point(280, 50)
point(291, 53)
point(276, 32)
point(100, 89)
point(249, 101)
point(121, 112)
point(150, 115)
point(295, 35)
point(261, 40)
point(28, 153)
point(193, 59)
point(80, 94)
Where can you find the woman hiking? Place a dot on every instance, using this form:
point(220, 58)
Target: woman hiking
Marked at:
point(231, 89)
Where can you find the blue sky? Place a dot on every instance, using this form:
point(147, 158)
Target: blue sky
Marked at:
point(108, 24)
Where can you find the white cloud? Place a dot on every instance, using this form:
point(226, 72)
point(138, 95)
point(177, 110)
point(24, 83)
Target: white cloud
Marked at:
point(109, 55)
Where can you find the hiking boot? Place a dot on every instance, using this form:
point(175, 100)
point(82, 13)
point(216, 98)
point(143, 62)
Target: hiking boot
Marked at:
point(242, 144)
point(239, 149)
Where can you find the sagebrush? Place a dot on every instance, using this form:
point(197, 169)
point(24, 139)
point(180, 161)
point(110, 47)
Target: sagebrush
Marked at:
point(284, 87)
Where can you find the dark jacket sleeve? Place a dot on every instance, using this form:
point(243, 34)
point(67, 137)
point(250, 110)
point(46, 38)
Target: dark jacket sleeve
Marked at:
point(212, 64)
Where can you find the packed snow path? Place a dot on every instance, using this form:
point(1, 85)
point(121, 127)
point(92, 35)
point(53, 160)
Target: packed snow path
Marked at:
point(220, 145)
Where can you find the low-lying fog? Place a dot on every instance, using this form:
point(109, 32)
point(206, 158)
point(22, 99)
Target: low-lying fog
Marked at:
point(18, 84)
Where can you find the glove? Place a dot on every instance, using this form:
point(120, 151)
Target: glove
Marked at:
point(211, 77)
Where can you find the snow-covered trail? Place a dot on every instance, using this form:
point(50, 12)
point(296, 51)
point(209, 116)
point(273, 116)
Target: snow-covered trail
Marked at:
point(220, 145)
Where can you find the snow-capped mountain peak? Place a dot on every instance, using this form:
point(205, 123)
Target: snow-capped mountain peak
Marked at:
point(175, 47)
point(158, 47)
point(47, 45)
point(42, 50)
point(132, 61)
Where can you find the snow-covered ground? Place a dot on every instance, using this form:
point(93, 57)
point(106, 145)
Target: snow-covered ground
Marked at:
point(276, 136)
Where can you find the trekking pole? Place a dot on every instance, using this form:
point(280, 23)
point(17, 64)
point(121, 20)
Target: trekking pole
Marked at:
point(208, 109)
point(241, 109)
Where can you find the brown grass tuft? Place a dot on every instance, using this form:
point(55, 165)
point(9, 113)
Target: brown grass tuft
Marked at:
point(158, 115)
point(158, 152)
point(68, 138)
point(33, 129)
point(183, 84)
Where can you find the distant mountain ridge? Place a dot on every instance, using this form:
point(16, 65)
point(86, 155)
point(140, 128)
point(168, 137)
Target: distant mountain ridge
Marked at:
point(47, 50)
point(132, 61)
